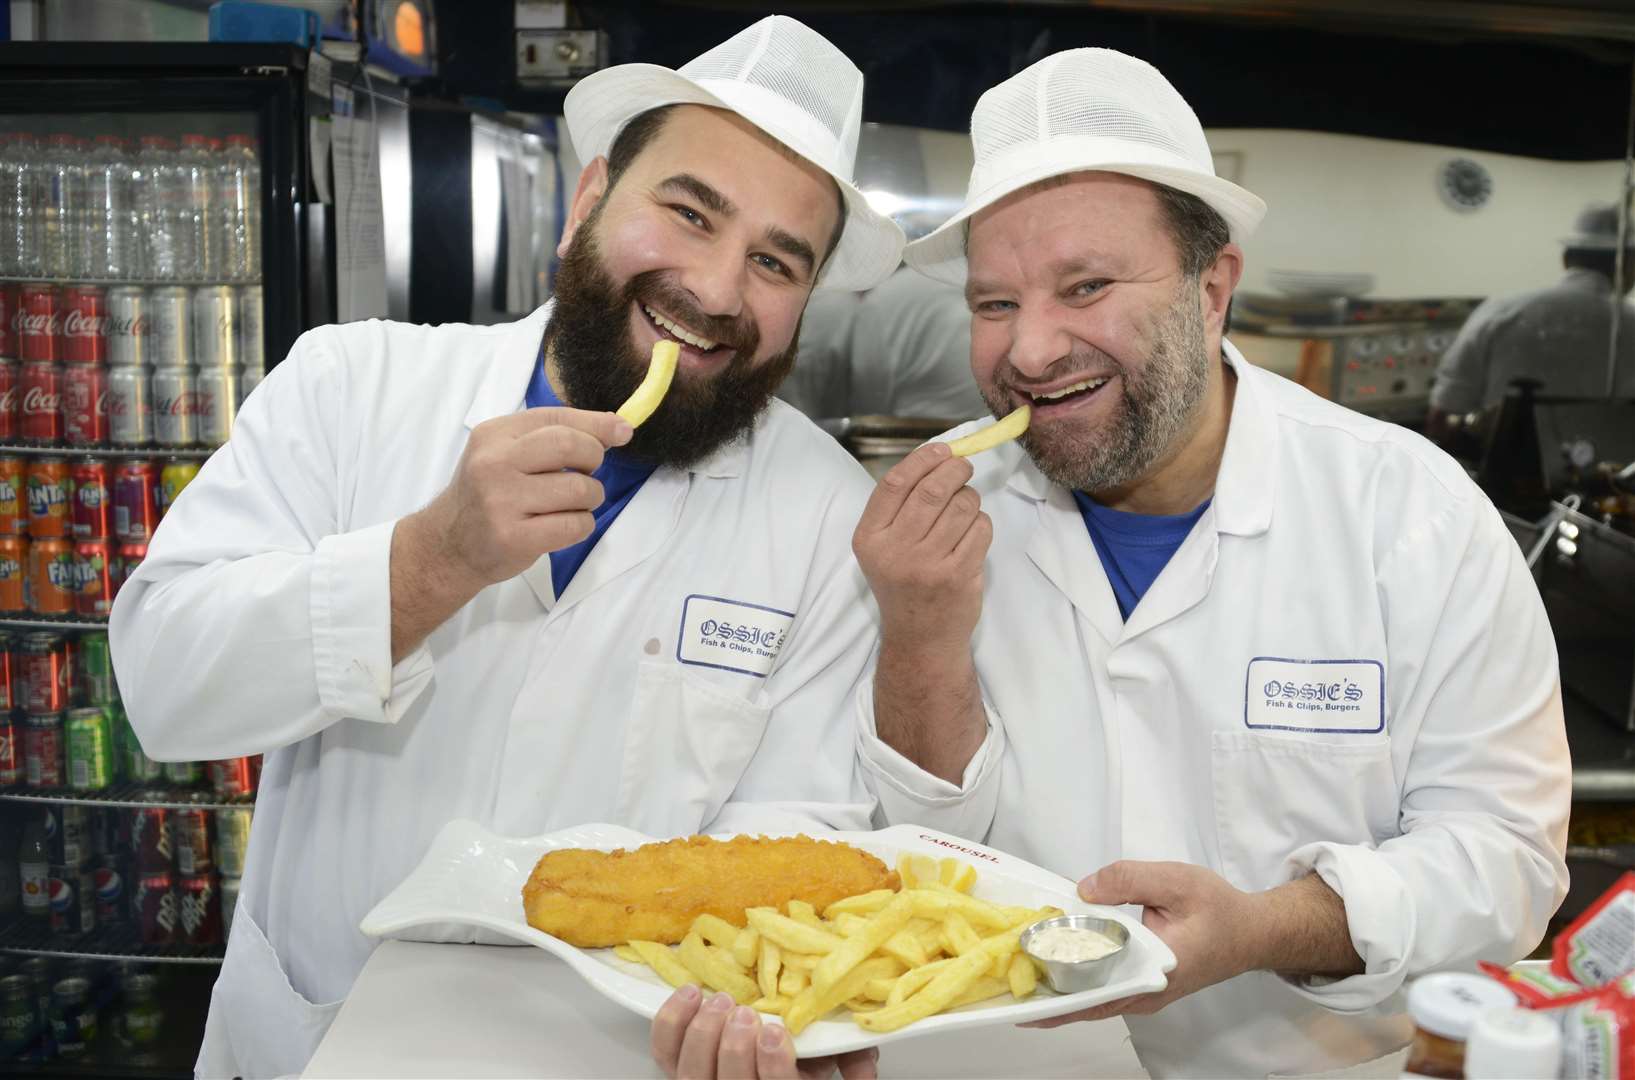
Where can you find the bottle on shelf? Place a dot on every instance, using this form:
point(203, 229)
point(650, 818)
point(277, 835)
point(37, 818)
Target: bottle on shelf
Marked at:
point(20, 192)
point(107, 239)
point(239, 207)
point(62, 206)
point(160, 209)
point(196, 202)
point(8, 230)
point(34, 871)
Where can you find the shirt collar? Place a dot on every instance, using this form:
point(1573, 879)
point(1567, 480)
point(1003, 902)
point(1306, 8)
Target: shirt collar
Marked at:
point(506, 388)
point(1244, 491)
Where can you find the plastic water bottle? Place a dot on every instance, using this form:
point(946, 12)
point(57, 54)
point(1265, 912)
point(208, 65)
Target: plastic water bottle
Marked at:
point(106, 239)
point(196, 202)
point(20, 193)
point(8, 231)
point(239, 205)
point(63, 208)
point(154, 198)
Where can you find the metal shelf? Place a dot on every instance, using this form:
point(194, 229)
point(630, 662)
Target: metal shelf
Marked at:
point(192, 453)
point(144, 283)
point(51, 622)
point(103, 943)
point(131, 795)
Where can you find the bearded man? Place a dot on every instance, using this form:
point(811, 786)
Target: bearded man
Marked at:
point(1268, 668)
point(431, 576)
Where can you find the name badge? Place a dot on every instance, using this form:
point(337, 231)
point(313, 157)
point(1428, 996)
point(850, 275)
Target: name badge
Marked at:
point(731, 635)
point(1330, 697)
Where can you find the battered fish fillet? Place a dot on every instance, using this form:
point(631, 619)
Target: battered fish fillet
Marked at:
point(596, 899)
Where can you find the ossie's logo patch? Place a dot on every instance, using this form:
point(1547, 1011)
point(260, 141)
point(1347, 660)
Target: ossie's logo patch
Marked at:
point(1320, 696)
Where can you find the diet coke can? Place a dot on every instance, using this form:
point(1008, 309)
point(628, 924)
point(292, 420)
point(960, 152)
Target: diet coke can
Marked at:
point(152, 840)
point(199, 910)
point(85, 325)
point(170, 320)
point(10, 391)
point(215, 327)
point(85, 404)
point(9, 297)
point(219, 390)
point(93, 501)
point(252, 346)
point(175, 407)
point(39, 410)
point(154, 904)
point(129, 332)
point(136, 501)
point(130, 410)
point(38, 323)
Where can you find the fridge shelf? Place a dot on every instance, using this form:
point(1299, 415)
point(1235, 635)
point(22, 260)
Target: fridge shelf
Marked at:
point(103, 943)
point(51, 622)
point(130, 795)
point(192, 453)
point(145, 283)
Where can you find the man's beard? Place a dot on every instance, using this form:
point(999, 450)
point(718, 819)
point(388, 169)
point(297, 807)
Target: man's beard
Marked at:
point(589, 339)
point(1158, 407)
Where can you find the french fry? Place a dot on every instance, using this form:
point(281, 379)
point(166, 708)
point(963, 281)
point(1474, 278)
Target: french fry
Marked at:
point(770, 1004)
point(906, 947)
point(956, 978)
point(862, 1004)
point(935, 902)
point(915, 979)
point(746, 947)
point(981, 990)
point(853, 951)
point(1001, 431)
point(663, 962)
point(929, 934)
point(861, 904)
point(1001, 967)
point(660, 370)
point(848, 925)
point(625, 952)
point(716, 972)
point(715, 930)
point(879, 989)
point(1022, 976)
point(725, 956)
point(795, 961)
point(958, 935)
point(811, 1003)
point(806, 914)
point(766, 968)
point(788, 934)
point(792, 982)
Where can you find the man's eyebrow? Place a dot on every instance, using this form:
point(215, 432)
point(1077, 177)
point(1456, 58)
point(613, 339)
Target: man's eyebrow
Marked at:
point(711, 199)
point(793, 246)
point(975, 287)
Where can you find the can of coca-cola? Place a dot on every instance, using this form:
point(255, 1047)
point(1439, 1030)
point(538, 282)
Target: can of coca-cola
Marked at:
point(10, 393)
point(191, 832)
point(152, 840)
point(175, 407)
point(232, 777)
point(43, 760)
point(93, 571)
point(171, 318)
point(12, 691)
point(215, 326)
point(38, 324)
point(85, 325)
point(8, 317)
point(39, 410)
point(130, 408)
point(199, 910)
point(11, 750)
point(92, 513)
point(109, 877)
point(45, 670)
point(129, 332)
point(252, 345)
point(218, 389)
point(136, 500)
point(154, 904)
point(85, 404)
point(232, 840)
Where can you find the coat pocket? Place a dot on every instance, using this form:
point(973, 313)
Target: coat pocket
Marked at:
point(1275, 793)
point(687, 745)
point(259, 1024)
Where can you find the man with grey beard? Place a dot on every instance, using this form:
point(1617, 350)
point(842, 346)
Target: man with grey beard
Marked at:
point(1269, 669)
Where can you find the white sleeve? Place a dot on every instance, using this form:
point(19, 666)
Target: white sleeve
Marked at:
point(909, 795)
point(1478, 868)
point(259, 616)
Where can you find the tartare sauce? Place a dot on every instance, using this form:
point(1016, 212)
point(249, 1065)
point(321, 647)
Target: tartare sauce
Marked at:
point(1070, 944)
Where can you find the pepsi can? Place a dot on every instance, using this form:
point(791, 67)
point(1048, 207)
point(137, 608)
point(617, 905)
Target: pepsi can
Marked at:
point(73, 901)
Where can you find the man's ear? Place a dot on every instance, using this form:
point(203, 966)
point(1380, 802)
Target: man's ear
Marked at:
point(592, 186)
point(1216, 285)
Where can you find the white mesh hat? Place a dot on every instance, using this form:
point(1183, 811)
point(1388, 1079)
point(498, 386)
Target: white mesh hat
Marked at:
point(1078, 111)
point(786, 79)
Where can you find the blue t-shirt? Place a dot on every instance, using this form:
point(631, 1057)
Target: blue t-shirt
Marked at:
point(1134, 548)
point(620, 478)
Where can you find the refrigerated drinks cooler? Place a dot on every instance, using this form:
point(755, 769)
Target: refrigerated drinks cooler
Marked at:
point(158, 251)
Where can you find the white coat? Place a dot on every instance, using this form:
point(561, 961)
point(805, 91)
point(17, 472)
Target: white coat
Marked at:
point(1345, 669)
point(694, 676)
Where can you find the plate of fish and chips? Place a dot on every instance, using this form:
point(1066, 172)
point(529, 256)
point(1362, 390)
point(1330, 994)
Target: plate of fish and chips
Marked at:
point(850, 939)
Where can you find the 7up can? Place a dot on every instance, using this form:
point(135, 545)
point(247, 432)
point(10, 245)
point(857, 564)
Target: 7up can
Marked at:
point(96, 670)
point(90, 749)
